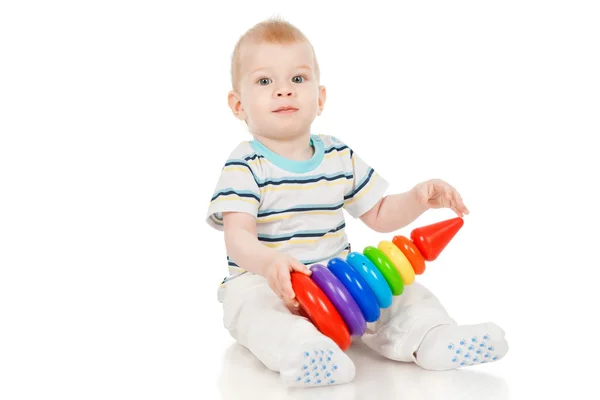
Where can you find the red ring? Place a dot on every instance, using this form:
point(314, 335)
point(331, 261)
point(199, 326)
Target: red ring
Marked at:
point(320, 310)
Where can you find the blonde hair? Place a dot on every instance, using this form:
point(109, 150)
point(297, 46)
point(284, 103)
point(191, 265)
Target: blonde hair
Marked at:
point(273, 30)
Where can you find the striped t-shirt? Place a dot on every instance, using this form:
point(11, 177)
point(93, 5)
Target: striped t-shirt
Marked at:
point(298, 205)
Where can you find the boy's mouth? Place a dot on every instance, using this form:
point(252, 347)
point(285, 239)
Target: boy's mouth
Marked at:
point(286, 110)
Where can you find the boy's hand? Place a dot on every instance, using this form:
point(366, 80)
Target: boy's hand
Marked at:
point(278, 276)
point(436, 193)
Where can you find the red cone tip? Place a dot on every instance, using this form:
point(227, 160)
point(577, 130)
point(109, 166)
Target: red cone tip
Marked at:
point(432, 239)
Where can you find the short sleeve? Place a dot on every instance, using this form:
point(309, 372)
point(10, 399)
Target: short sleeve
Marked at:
point(236, 191)
point(368, 187)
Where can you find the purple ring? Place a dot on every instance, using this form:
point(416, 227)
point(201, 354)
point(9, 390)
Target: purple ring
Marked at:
point(341, 299)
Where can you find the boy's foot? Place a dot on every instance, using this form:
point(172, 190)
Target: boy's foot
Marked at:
point(318, 362)
point(454, 346)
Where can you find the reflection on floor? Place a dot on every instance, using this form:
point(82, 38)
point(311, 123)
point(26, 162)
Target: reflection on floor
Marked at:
point(243, 376)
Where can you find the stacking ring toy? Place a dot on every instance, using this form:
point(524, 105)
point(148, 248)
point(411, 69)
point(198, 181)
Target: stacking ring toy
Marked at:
point(343, 297)
point(398, 259)
point(320, 311)
point(411, 252)
point(373, 277)
point(387, 269)
point(357, 287)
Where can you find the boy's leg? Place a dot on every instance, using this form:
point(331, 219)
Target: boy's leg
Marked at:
point(284, 342)
point(417, 328)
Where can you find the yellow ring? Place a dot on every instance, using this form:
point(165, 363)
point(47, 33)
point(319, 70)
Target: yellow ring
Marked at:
point(399, 260)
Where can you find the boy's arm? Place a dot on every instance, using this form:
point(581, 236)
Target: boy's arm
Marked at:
point(394, 212)
point(249, 253)
point(242, 243)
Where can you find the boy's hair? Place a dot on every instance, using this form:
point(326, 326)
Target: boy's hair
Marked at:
point(272, 30)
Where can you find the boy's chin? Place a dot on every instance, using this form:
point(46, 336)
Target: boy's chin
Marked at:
point(285, 130)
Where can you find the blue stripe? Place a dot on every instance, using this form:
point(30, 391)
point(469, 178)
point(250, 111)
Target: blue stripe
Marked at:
point(240, 193)
point(305, 179)
point(336, 147)
point(293, 180)
point(364, 182)
point(306, 234)
point(243, 163)
point(252, 157)
point(303, 207)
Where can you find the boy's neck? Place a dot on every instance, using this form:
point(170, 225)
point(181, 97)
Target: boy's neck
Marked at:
point(297, 148)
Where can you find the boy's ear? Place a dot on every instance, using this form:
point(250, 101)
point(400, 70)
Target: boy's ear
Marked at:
point(235, 104)
point(322, 98)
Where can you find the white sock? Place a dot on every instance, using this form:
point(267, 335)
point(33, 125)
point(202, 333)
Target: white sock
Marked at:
point(318, 362)
point(454, 346)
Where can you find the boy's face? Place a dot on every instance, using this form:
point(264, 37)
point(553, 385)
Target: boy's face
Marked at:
point(279, 96)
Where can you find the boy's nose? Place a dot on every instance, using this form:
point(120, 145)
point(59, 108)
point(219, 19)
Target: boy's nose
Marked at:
point(281, 92)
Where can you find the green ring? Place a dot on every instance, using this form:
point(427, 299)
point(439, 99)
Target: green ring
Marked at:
point(387, 269)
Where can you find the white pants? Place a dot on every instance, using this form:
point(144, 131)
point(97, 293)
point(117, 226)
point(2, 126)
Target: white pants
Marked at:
point(258, 320)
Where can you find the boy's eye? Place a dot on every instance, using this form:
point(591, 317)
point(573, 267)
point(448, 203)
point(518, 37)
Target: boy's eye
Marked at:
point(264, 81)
point(298, 79)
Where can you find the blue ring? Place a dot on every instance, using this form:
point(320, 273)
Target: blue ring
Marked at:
point(357, 287)
point(373, 277)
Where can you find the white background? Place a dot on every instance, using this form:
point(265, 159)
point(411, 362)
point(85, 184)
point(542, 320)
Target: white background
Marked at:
point(114, 127)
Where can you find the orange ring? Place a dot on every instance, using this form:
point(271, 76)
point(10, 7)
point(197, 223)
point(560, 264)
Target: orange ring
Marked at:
point(411, 252)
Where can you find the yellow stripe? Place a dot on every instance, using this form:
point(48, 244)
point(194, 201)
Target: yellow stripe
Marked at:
point(236, 198)
point(215, 220)
point(364, 190)
point(230, 168)
point(304, 241)
point(233, 270)
point(257, 160)
point(337, 153)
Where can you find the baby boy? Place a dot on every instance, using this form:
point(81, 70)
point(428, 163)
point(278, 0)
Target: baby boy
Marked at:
point(280, 201)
